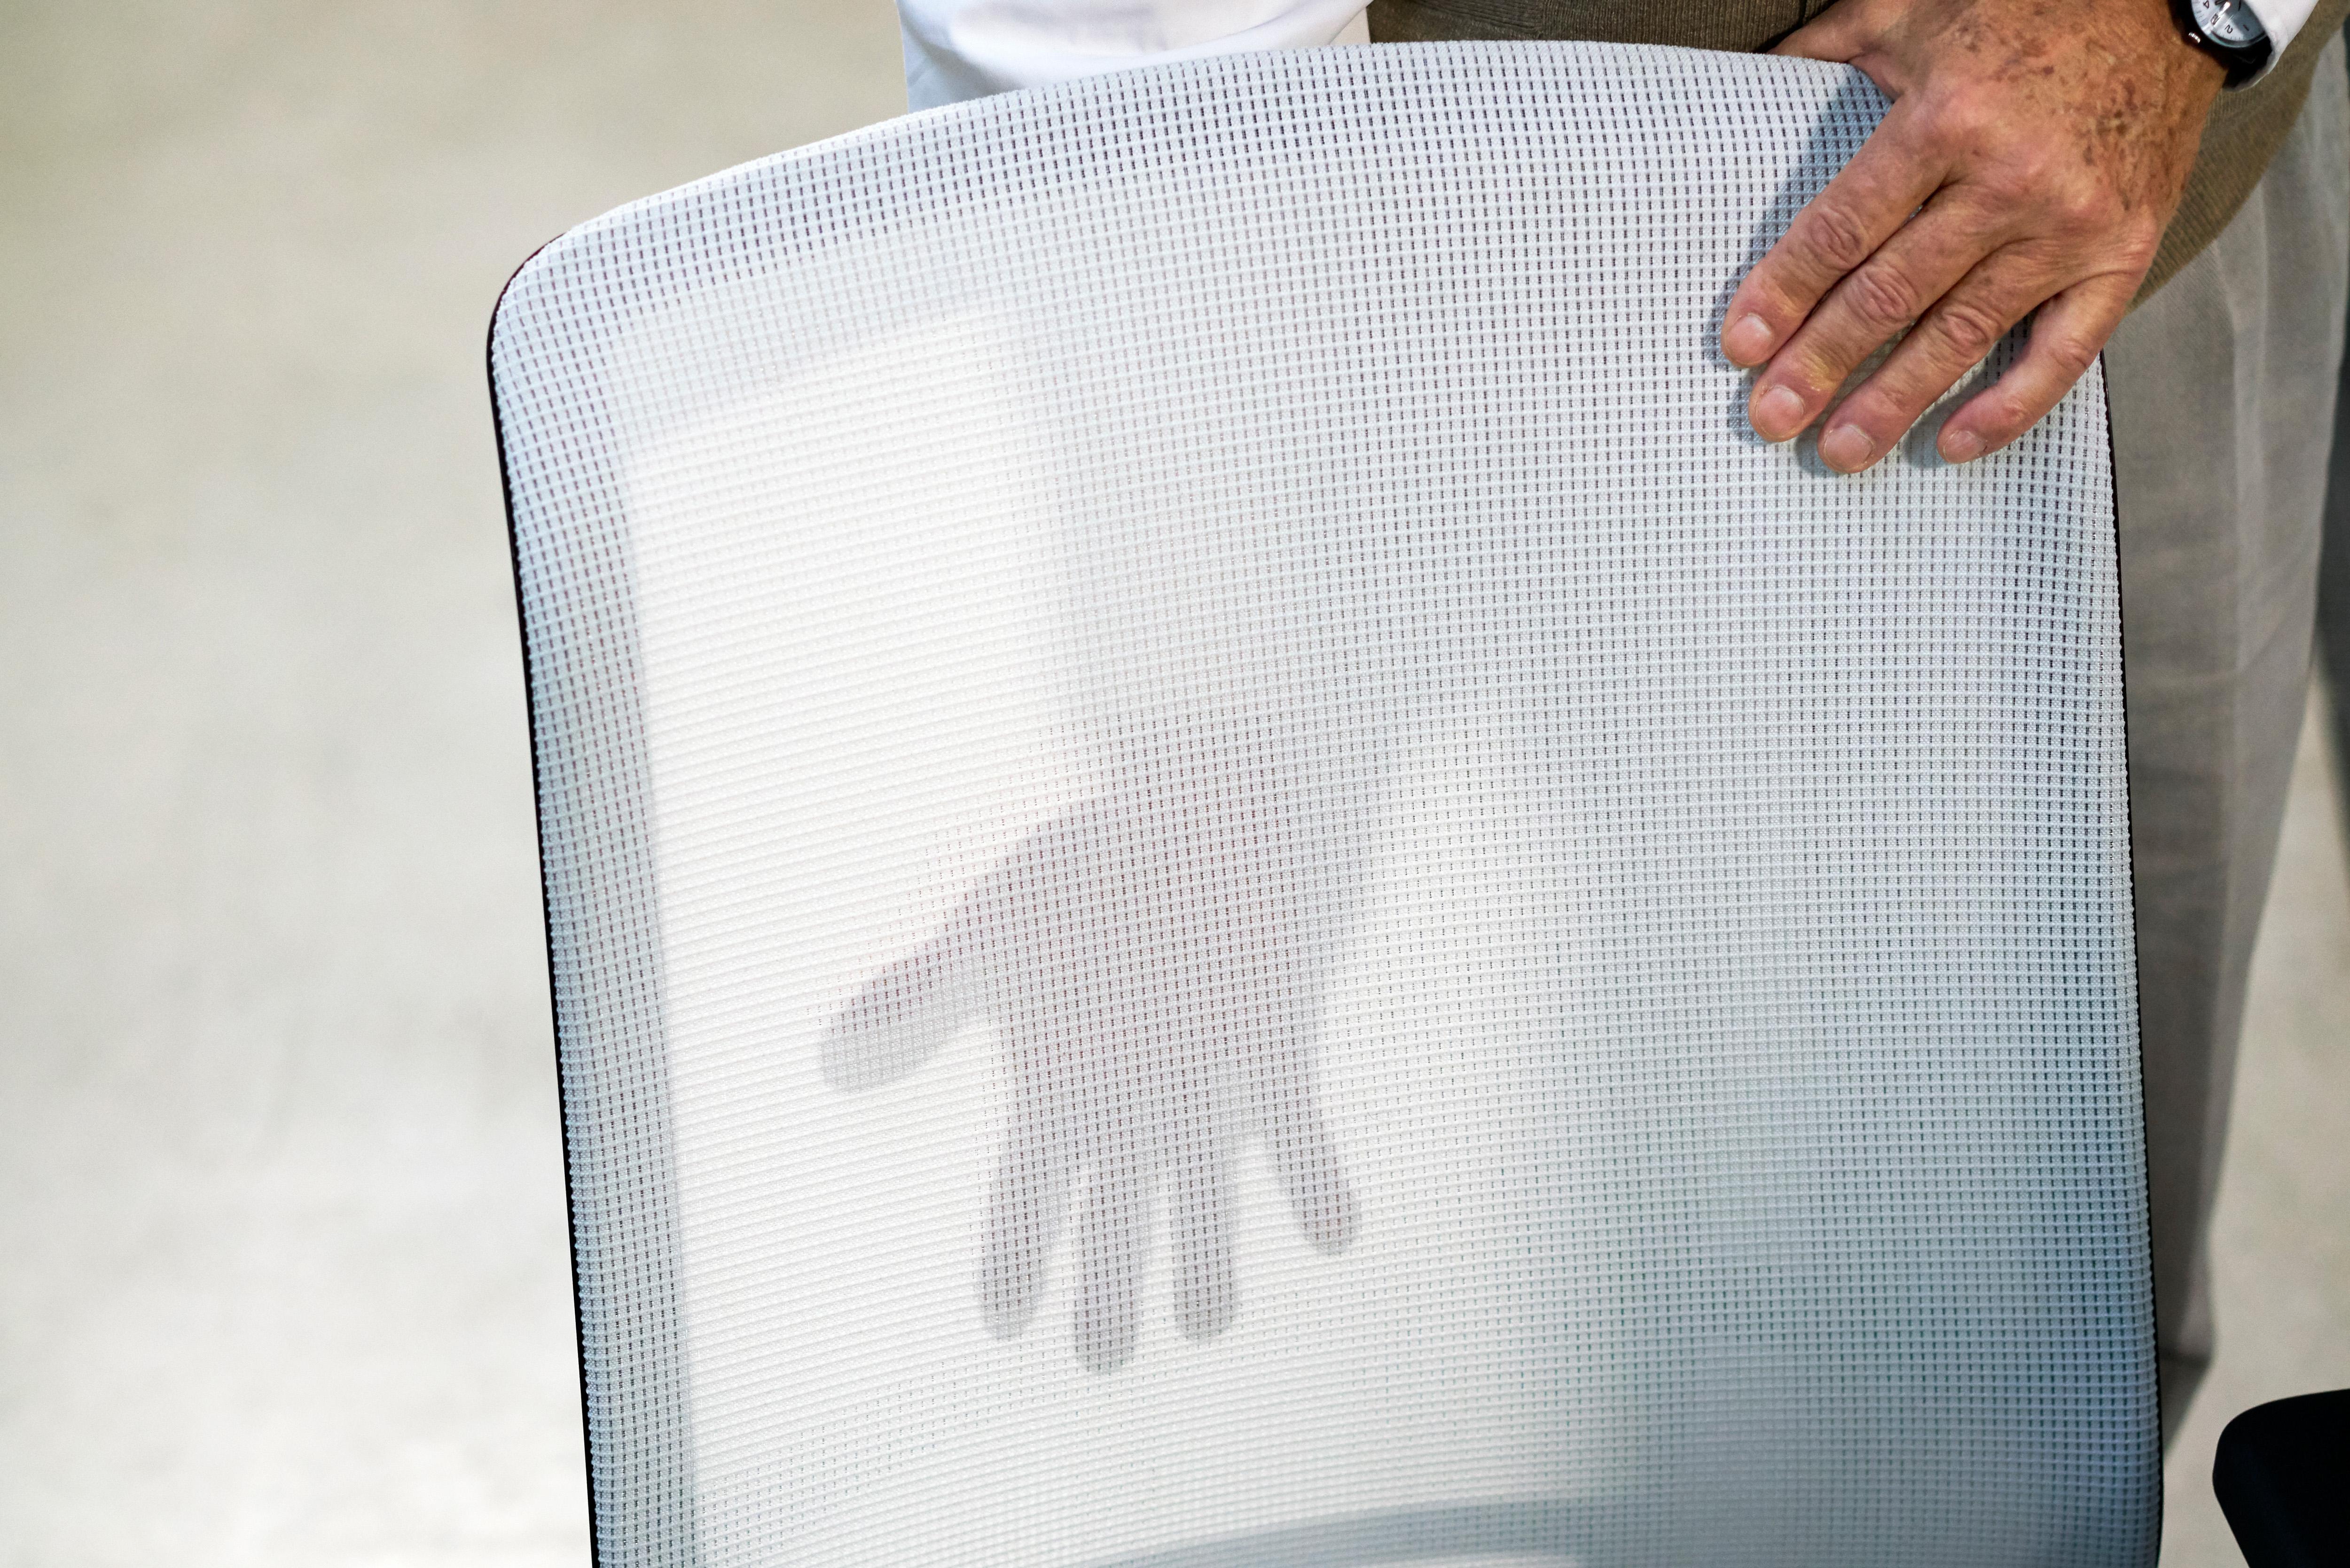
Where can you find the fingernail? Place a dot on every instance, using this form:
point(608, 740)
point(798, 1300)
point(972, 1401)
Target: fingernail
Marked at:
point(1846, 447)
point(1778, 414)
point(1960, 446)
point(1748, 339)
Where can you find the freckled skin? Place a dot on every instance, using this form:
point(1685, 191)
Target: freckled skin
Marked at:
point(2134, 108)
point(2031, 161)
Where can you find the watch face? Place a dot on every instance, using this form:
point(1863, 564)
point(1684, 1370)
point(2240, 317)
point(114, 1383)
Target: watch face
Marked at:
point(2229, 22)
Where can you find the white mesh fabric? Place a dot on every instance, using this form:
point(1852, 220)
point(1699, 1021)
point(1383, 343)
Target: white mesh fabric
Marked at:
point(1232, 880)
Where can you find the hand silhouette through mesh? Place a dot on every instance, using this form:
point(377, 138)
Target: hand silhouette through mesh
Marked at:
point(1152, 963)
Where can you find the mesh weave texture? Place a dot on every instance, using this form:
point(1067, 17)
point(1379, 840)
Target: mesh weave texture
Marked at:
point(1232, 880)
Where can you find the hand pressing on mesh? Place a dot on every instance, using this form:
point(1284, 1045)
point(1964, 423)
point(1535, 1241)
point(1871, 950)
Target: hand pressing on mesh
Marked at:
point(2032, 156)
point(1152, 963)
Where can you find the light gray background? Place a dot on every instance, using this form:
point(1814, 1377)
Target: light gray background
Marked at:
point(282, 1265)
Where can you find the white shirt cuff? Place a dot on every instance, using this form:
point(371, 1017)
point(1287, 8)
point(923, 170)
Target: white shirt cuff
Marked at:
point(2282, 20)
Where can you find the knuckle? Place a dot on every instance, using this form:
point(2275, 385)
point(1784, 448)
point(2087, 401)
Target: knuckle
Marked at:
point(1883, 296)
point(1939, 118)
point(2071, 354)
point(2034, 188)
point(1967, 329)
point(1807, 373)
point(2009, 419)
point(1835, 237)
point(2042, 261)
point(2135, 246)
point(1884, 412)
point(2084, 207)
point(1905, 388)
point(1963, 118)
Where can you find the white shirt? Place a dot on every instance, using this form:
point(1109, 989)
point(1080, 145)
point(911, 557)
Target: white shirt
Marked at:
point(2282, 20)
point(958, 50)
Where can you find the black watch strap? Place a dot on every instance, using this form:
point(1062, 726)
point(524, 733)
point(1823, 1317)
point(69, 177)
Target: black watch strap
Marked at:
point(2243, 61)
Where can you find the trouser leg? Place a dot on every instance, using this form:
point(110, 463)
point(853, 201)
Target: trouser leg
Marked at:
point(2222, 393)
point(2334, 571)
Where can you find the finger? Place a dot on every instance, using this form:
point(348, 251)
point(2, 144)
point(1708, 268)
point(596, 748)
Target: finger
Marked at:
point(899, 1018)
point(1950, 341)
point(1025, 1203)
point(2066, 338)
point(1837, 34)
point(1200, 1203)
point(1306, 1158)
point(1113, 1232)
point(1911, 271)
point(1837, 231)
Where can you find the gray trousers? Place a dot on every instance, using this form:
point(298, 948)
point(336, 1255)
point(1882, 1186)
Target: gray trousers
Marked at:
point(2222, 388)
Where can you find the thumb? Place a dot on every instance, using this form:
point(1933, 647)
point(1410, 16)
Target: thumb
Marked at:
point(900, 1017)
point(1838, 34)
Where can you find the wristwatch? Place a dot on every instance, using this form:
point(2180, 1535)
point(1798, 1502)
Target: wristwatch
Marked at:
point(2227, 31)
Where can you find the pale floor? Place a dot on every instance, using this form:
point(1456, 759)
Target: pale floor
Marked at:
point(281, 1202)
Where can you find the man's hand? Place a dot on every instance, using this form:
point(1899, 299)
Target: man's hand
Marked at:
point(2030, 160)
point(1152, 963)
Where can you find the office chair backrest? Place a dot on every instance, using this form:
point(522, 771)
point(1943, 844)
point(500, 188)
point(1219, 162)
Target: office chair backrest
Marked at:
point(1231, 880)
